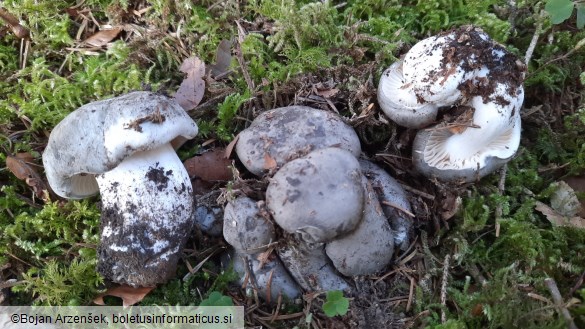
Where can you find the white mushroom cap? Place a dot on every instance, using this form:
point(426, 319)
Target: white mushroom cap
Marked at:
point(476, 151)
point(432, 78)
point(400, 103)
point(98, 136)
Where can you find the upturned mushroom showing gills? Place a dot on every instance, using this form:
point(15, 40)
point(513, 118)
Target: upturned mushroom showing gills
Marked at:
point(123, 148)
point(471, 87)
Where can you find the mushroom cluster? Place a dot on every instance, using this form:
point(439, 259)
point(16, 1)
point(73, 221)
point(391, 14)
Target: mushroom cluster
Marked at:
point(336, 215)
point(123, 148)
point(478, 83)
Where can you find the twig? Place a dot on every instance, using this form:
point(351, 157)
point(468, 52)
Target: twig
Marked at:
point(558, 299)
point(20, 31)
point(476, 274)
point(534, 41)
point(501, 188)
point(410, 294)
point(418, 192)
point(394, 205)
point(444, 282)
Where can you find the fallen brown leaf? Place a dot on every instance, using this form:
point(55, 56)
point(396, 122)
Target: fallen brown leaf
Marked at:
point(192, 88)
point(230, 148)
point(210, 166)
point(20, 167)
point(223, 58)
point(129, 295)
point(557, 219)
point(327, 93)
point(103, 37)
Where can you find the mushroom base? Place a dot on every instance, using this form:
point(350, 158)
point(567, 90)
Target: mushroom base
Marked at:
point(147, 215)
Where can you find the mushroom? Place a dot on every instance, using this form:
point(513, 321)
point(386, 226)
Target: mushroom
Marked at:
point(401, 104)
point(286, 133)
point(473, 152)
point(478, 82)
point(123, 148)
point(270, 279)
point(309, 266)
point(367, 249)
point(319, 196)
point(393, 201)
point(245, 228)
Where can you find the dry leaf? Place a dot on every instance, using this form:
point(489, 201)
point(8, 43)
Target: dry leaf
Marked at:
point(557, 219)
point(223, 58)
point(129, 295)
point(230, 148)
point(103, 37)
point(210, 166)
point(269, 162)
point(327, 93)
point(192, 88)
point(20, 167)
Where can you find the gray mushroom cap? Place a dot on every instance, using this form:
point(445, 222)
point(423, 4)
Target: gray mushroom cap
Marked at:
point(287, 133)
point(98, 136)
point(393, 201)
point(270, 279)
point(309, 266)
point(319, 196)
point(370, 247)
point(244, 228)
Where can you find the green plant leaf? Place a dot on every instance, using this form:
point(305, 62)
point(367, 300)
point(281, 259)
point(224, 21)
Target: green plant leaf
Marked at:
point(335, 304)
point(580, 15)
point(217, 299)
point(559, 10)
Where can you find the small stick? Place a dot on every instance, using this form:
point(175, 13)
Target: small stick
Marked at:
point(410, 295)
point(444, 282)
point(534, 41)
point(415, 191)
point(501, 188)
point(476, 274)
point(394, 205)
point(558, 299)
